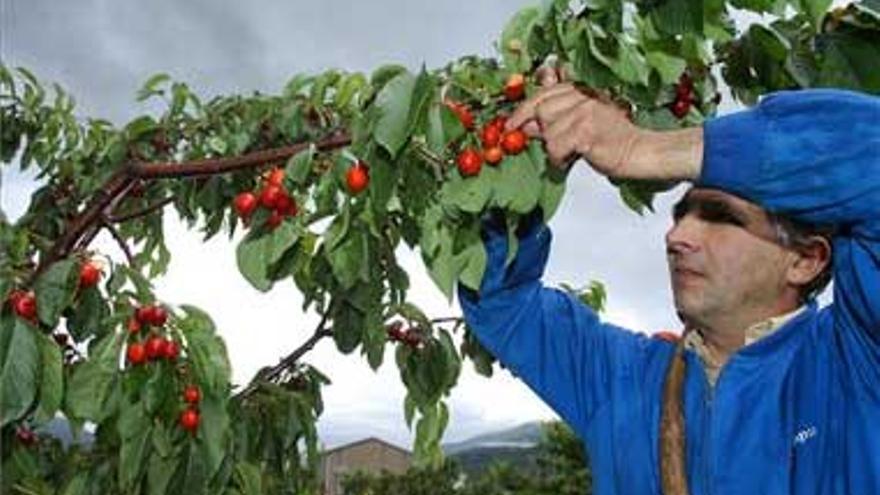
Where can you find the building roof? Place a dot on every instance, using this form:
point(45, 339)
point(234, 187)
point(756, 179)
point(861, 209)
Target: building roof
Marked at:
point(367, 440)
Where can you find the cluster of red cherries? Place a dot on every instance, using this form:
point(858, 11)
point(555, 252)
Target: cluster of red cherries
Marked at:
point(495, 141)
point(272, 196)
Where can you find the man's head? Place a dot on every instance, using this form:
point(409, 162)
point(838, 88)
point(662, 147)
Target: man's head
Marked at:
point(732, 264)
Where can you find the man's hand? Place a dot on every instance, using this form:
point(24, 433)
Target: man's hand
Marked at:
point(574, 124)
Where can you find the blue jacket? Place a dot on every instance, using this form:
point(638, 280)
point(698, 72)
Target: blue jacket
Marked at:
point(797, 412)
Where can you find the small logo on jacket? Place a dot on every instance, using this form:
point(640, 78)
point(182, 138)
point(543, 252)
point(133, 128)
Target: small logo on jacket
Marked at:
point(805, 434)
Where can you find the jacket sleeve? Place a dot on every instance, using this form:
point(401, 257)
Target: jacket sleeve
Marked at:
point(814, 155)
point(547, 338)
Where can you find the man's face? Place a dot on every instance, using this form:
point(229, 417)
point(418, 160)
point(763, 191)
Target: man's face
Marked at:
point(723, 258)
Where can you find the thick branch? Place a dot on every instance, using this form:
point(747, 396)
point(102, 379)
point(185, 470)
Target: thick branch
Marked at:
point(119, 184)
point(213, 166)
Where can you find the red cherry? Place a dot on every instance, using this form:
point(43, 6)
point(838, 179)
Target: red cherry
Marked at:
point(394, 331)
point(155, 347)
point(680, 108)
point(498, 122)
point(469, 162)
point(357, 178)
point(134, 326)
point(25, 305)
point(291, 209)
point(192, 395)
point(136, 353)
point(275, 219)
point(157, 315)
point(171, 350)
point(245, 203)
point(514, 142)
point(493, 155)
point(284, 203)
point(26, 436)
point(685, 83)
point(491, 135)
point(143, 314)
point(189, 420)
point(463, 113)
point(411, 338)
point(515, 88)
point(276, 177)
point(89, 274)
point(270, 195)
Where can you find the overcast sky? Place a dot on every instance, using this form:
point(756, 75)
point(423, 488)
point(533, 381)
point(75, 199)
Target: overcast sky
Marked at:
point(102, 51)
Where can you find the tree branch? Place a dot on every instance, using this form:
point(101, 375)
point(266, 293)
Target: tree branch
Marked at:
point(119, 184)
point(288, 361)
point(214, 166)
point(119, 240)
point(141, 213)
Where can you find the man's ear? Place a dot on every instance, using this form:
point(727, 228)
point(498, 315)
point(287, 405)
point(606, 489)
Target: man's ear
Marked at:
point(811, 259)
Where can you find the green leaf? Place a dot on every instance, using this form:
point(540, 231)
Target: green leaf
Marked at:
point(213, 433)
point(759, 6)
point(470, 194)
point(51, 381)
point(347, 327)
point(350, 259)
point(630, 65)
point(668, 66)
point(442, 266)
point(159, 473)
point(516, 37)
point(19, 368)
point(248, 479)
point(816, 9)
point(207, 352)
point(151, 87)
point(134, 431)
point(348, 88)
point(55, 290)
point(678, 16)
point(299, 166)
point(90, 384)
point(470, 258)
point(851, 60)
point(518, 187)
point(89, 316)
point(552, 192)
point(140, 126)
point(259, 250)
point(393, 104)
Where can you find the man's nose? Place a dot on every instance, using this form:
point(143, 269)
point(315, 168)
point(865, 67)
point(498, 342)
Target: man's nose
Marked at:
point(683, 236)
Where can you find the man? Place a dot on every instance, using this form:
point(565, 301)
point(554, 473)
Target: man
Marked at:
point(766, 393)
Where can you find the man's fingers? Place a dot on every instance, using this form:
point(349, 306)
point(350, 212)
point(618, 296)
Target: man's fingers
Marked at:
point(561, 140)
point(532, 129)
point(559, 105)
point(547, 76)
point(528, 110)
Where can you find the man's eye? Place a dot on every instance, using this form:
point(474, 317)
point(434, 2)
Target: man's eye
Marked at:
point(720, 215)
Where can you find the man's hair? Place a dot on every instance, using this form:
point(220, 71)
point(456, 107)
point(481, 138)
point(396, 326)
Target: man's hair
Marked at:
point(792, 233)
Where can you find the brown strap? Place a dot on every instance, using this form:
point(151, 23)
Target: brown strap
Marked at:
point(673, 470)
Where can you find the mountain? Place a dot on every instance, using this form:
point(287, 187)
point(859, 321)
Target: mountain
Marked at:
point(523, 436)
point(516, 446)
